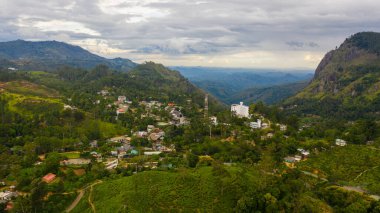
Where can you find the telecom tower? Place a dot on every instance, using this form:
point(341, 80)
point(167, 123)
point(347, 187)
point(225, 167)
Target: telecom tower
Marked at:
point(206, 106)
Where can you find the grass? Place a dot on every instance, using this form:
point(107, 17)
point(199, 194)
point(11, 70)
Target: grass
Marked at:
point(29, 105)
point(71, 155)
point(196, 190)
point(29, 89)
point(345, 164)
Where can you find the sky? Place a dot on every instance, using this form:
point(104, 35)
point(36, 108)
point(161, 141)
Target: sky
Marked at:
point(281, 34)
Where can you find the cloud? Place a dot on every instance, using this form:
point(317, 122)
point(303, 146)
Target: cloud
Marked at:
point(199, 32)
point(298, 44)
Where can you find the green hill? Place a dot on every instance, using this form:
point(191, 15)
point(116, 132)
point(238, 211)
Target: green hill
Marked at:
point(346, 83)
point(49, 55)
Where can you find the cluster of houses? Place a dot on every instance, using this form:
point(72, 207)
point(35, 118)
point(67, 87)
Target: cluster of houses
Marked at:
point(153, 134)
point(177, 117)
point(6, 196)
point(301, 155)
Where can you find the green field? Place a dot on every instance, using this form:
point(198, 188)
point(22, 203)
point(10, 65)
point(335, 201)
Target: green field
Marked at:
point(196, 190)
point(353, 165)
point(71, 155)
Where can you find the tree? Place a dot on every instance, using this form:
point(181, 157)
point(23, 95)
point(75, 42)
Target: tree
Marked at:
point(192, 160)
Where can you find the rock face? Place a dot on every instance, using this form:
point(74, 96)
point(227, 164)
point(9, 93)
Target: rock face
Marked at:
point(346, 76)
point(325, 61)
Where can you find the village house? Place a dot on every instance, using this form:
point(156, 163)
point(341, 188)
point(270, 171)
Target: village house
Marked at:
point(112, 164)
point(282, 127)
point(49, 178)
point(240, 110)
point(120, 139)
point(150, 128)
point(289, 161)
point(120, 111)
point(68, 107)
point(7, 195)
point(303, 152)
point(264, 125)
point(103, 92)
point(114, 153)
point(121, 99)
point(340, 142)
point(152, 153)
point(255, 125)
point(141, 134)
point(214, 120)
point(297, 158)
point(176, 115)
point(94, 144)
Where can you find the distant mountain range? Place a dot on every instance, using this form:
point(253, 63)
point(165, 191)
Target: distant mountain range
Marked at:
point(268, 95)
point(49, 55)
point(346, 83)
point(232, 85)
point(227, 84)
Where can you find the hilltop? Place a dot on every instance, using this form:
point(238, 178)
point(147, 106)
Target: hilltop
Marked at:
point(346, 83)
point(49, 55)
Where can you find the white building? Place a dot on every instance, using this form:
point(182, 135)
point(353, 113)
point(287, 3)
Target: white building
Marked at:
point(121, 99)
point(255, 125)
point(240, 110)
point(283, 127)
point(214, 120)
point(340, 142)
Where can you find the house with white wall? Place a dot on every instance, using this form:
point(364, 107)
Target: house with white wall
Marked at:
point(240, 110)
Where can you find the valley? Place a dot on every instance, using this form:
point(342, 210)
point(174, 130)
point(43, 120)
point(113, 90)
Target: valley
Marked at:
point(103, 138)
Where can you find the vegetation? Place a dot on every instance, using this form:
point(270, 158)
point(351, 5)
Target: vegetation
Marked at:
point(141, 141)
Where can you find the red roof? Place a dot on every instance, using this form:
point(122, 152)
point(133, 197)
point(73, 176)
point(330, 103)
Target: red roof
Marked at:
point(49, 177)
point(120, 110)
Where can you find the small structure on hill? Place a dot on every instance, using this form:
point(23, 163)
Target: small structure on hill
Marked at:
point(49, 178)
point(240, 110)
point(255, 125)
point(340, 142)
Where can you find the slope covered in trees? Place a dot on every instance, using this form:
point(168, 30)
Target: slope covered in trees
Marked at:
point(49, 55)
point(346, 82)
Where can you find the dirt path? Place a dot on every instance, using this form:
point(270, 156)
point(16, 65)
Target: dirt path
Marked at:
point(365, 172)
point(314, 175)
point(90, 196)
point(80, 195)
point(76, 201)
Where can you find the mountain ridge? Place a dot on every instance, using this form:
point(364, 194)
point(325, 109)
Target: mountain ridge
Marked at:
point(346, 83)
point(49, 55)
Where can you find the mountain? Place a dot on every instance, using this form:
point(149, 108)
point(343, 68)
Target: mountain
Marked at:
point(268, 95)
point(227, 83)
point(148, 81)
point(49, 55)
point(346, 83)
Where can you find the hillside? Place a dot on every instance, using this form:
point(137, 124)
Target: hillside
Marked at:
point(187, 191)
point(148, 81)
point(49, 55)
point(268, 95)
point(346, 83)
